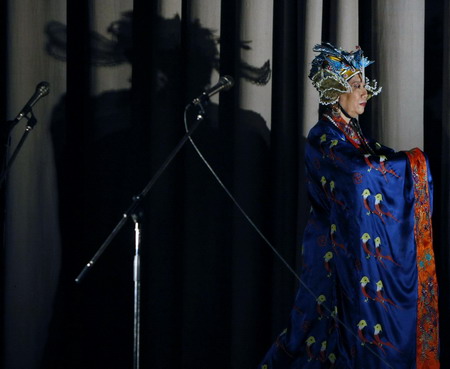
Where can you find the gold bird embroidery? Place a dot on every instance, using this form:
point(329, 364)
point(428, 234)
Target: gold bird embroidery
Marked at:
point(379, 255)
point(323, 181)
point(361, 325)
point(384, 170)
point(378, 211)
point(380, 298)
point(309, 342)
point(378, 341)
point(333, 240)
point(320, 300)
point(323, 138)
point(333, 155)
point(368, 162)
point(333, 143)
point(327, 257)
point(333, 196)
point(365, 195)
point(363, 282)
point(323, 352)
point(365, 239)
point(332, 358)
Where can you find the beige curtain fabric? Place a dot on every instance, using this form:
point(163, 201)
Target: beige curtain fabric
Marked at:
point(169, 8)
point(32, 246)
point(312, 35)
point(347, 19)
point(257, 26)
point(32, 243)
point(208, 14)
point(32, 252)
point(400, 36)
point(116, 77)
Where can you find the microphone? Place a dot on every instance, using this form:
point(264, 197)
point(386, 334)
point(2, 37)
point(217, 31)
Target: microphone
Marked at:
point(42, 89)
point(225, 83)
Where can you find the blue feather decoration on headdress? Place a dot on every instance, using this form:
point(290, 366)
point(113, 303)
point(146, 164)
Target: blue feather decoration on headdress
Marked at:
point(333, 67)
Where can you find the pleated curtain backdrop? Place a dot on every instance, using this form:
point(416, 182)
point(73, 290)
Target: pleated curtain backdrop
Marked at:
point(31, 243)
point(121, 73)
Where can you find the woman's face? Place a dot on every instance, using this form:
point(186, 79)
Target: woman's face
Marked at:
point(354, 102)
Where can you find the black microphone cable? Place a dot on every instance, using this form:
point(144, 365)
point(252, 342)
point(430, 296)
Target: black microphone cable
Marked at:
point(332, 313)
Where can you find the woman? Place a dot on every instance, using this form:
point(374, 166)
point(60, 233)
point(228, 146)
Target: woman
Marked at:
point(368, 297)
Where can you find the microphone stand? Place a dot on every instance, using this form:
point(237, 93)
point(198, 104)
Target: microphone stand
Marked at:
point(32, 121)
point(137, 218)
point(134, 212)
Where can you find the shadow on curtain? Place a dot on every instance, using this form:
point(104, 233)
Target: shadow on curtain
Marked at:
point(204, 300)
point(214, 295)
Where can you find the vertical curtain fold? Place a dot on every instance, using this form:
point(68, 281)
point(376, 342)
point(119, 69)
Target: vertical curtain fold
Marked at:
point(347, 24)
point(399, 40)
point(169, 8)
point(3, 140)
point(251, 155)
point(32, 258)
point(121, 73)
point(208, 15)
point(312, 34)
point(256, 31)
point(206, 243)
point(285, 162)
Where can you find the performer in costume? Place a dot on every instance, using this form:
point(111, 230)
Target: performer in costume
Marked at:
point(369, 294)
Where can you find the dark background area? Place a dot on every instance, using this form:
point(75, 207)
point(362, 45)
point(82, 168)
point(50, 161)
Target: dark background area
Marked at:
point(3, 140)
point(213, 293)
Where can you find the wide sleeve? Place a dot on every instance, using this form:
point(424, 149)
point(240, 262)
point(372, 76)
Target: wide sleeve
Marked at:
point(358, 294)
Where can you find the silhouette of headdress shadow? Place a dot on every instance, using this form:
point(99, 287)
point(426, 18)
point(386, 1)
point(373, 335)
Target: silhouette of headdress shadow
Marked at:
point(105, 52)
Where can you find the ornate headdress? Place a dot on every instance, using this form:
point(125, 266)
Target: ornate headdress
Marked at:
point(332, 69)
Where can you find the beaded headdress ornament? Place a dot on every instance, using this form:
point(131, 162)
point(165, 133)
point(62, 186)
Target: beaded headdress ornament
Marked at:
point(333, 68)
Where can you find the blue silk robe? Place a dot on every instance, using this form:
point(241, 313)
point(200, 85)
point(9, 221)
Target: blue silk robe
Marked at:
point(368, 298)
